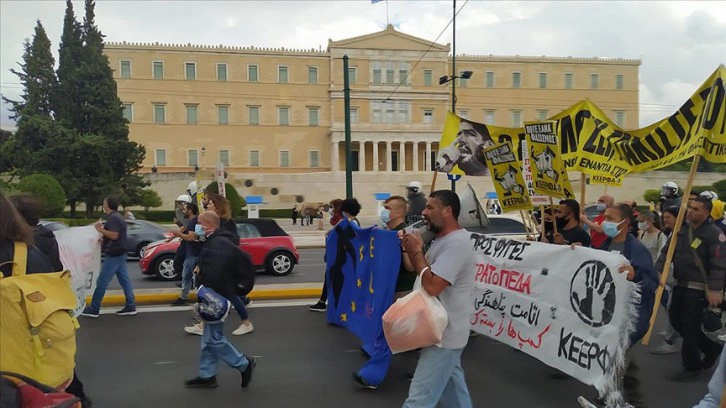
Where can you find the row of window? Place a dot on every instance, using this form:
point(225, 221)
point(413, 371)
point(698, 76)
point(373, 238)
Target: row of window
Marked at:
point(516, 116)
point(253, 114)
point(387, 73)
point(254, 158)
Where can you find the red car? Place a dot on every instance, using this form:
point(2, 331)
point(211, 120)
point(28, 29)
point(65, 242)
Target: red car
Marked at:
point(269, 246)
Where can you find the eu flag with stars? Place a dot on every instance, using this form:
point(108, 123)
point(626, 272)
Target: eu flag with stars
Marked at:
point(362, 266)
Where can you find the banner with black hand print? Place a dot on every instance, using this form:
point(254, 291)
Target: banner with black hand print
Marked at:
point(569, 308)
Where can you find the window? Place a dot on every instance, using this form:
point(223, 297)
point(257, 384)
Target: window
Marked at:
point(428, 116)
point(284, 158)
point(128, 112)
point(191, 71)
point(158, 70)
point(542, 114)
point(489, 117)
point(191, 114)
point(543, 80)
point(404, 108)
point(432, 159)
point(377, 73)
point(464, 114)
point(224, 157)
point(516, 79)
point(490, 79)
point(352, 74)
point(248, 231)
point(282, 74)
point(221, 72)
point(283, 115)
point(620, 118)
point(403, 74)
point(619, 81)
point(516, 118)
point(223, 114)
point(389, 73)
point(125, 69)
point(160, 159)
point(312, 75)
point(159, 114)
point(314, 157)
point(463, 82)
point(594, 81)
point(253, 113)
point(428, 77)
point(569, 79)
point(192, 156)
point(312, 116)
point(394, 160)
point(376, 105)
point(254, 158)
point(353, 115)
point(390, 112)
point(252, 73)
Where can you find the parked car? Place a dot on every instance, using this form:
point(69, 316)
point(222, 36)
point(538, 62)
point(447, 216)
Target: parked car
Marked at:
point(506, 226)
point(591, 211)
point(140, 233)
point(53, 225)
point(269, 246)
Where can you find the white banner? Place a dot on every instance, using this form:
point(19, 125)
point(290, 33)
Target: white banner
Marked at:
point(571, 309)
point(80, 252)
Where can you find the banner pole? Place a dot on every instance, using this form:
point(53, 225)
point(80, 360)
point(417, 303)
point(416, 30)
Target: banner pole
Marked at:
point(552, 205)
point(672, 247)
point(433, 182)
point(583, 189)
point(524, 223)
point(541, 219)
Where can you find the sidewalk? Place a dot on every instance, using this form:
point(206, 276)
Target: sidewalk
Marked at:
point(310, 236)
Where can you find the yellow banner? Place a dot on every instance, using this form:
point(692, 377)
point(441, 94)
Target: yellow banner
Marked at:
point(591, 143)
point(546, 161)
point(508, 181)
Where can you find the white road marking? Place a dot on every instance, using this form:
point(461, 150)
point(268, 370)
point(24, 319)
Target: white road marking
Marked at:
point(256, 304)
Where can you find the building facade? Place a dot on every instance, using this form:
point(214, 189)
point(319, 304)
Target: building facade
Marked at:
point(275, 117)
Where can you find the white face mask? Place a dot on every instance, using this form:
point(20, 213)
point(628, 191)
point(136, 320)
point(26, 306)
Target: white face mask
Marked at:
point(642, 226)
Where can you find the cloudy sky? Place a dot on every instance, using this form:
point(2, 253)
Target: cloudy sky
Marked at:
point(680, 43)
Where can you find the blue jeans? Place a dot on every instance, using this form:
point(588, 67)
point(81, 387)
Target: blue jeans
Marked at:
point(189, 264)
point(112, 265)
point(239, 305)
point(214, 347)
point(438, 378)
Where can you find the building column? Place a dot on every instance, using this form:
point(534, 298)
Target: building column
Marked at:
point(427, 161)
point(389, 150)
point(415, 156)
point(402, 156)
point(334, 159)
point(375, 156)
point(361, 156)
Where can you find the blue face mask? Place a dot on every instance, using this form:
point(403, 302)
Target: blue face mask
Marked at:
point(385, 215)
point(199, 230)
point(611, 228)
point(601, 207)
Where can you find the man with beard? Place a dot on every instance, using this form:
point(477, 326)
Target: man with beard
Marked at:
point(568, 226)
point(447, 273)
point(471, 145)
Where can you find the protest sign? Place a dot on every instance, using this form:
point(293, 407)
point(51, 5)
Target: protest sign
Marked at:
point(570, 309)
point(460, 149)
point(507, 175)
point(80, 253)
point(220, 180)
point(527, 174)
point(361, 270)
point(548, 170)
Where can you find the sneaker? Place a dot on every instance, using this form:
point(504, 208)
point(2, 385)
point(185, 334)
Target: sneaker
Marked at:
point(88, 312)
point(318, 307)
point(666, 348)
point(200, 382)
point(127, 311)
point(179, 285)
point(248, 301)
point(180, 302)
point(362, 383)
point(243, 329)
point(247, 373)
point(197, 329)
point(685, 376)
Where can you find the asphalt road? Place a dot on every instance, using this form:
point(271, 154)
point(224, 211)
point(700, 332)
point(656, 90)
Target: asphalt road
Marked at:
point(310, 269)
point(142, 361)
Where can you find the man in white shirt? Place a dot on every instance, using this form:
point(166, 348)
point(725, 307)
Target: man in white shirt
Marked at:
point(447, 271)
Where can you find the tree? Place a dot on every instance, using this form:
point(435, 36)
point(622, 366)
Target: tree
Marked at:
point(720, 188)
point(150, 198)
point(66, 99)
point(235, 201)
point(47, 190)
point(651, 196)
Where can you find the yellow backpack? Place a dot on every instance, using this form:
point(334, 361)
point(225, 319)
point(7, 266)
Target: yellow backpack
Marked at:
point(37, 328)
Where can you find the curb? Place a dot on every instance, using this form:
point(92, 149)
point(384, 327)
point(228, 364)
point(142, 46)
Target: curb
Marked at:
point(165, 298)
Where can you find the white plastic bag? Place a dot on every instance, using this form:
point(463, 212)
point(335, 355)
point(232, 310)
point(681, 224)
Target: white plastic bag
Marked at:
point(415, 321)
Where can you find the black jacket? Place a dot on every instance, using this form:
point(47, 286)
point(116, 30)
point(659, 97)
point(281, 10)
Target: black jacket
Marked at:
point(46, 242)
point(223, 267)
point(711, 251)
point(37, 261)
point(231, 227)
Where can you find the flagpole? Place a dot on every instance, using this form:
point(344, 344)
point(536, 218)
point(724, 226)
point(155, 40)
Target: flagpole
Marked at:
point(387, 20)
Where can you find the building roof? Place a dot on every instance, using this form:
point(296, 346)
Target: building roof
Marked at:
point(394, 40)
